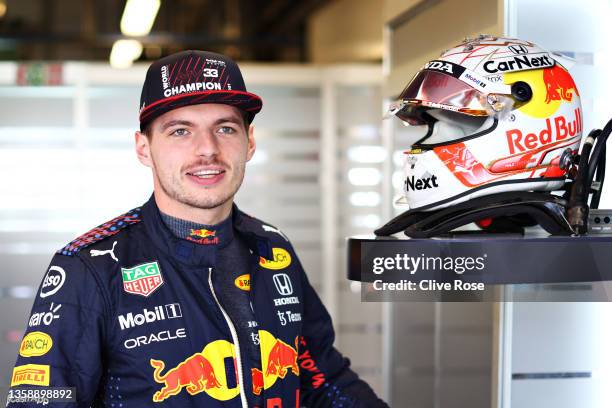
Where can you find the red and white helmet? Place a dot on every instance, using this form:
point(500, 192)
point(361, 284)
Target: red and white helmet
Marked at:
point(501, 115)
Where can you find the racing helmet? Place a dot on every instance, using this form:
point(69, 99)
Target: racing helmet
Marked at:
point(498, 115)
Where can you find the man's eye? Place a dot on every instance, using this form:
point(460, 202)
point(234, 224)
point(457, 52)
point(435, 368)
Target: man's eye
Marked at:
point(179, 132)
point(227, 129)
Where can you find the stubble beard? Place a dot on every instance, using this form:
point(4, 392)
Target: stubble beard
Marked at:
point(204, 199)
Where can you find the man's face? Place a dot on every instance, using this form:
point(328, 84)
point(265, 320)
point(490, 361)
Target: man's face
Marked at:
point(198, 154)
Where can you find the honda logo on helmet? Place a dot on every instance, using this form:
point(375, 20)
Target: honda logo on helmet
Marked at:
point(518, 49)
point(440, 66)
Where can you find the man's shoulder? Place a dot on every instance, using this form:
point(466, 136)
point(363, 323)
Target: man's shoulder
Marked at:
point(97, 237)
point(261, 228)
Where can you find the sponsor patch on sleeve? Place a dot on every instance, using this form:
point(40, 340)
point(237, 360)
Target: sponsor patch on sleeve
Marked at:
point(280, 259)
point(35, 344)
point(32, 374)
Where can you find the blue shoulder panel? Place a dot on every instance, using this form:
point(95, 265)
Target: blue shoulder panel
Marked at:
point(107, 229)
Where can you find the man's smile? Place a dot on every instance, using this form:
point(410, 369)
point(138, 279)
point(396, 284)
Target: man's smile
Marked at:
point(206, 176)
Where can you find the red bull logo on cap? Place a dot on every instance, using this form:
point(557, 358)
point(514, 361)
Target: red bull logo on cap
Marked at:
point(201, 372)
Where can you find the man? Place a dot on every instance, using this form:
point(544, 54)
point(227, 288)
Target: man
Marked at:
point(187, 301)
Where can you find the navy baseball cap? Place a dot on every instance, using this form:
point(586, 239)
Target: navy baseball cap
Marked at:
point(191, 78)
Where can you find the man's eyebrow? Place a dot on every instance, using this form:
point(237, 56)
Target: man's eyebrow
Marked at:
point(233, 119)
point(176, 122)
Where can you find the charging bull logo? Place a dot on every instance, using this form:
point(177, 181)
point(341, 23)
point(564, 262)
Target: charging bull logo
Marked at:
point(203, 233)
point(559, 85)
point(258, 380)
point(201, 372)
point(205, 371)
point(552, 89)
point(203, 236)
point(282, 358)
point(277, 359)
point(196, 374)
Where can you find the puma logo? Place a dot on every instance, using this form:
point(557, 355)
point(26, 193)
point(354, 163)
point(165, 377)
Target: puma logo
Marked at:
point(272, 229)
point(97, 252)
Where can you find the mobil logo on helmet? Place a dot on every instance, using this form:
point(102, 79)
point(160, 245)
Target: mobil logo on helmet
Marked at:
point(277, 360)
point(201, 372)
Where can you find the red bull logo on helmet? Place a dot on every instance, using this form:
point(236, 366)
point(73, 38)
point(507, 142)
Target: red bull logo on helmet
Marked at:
point(553, 88)
point(558, 130)
point(201, 372)
point(559, 85)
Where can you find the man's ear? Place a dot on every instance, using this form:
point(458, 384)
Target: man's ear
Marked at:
point(143, 149)
point(251, 138)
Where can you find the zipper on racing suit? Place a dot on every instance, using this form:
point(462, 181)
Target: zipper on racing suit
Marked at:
point(232, 328)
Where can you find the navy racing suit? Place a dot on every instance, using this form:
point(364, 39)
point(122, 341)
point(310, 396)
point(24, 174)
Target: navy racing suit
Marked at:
point(128, 315)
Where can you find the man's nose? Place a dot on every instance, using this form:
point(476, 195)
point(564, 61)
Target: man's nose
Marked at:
point(206, 144)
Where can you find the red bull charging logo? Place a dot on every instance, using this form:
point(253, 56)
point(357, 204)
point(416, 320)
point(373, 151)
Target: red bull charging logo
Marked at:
point(203, 236)
point(277, 359)
point(201, 372)
point(203, 233)
point(559, 85)
point(205, 371)
point(552, 88)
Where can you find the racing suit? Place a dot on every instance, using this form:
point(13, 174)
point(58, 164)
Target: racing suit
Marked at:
point(129, 316)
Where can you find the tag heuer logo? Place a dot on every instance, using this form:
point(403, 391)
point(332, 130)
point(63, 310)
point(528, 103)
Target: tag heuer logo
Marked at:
point(142, 279)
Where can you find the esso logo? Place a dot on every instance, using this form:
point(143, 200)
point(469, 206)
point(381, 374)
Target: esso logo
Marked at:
point(54, 280)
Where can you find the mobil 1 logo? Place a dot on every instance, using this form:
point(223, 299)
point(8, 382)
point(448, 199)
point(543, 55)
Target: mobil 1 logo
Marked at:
point(158, 313)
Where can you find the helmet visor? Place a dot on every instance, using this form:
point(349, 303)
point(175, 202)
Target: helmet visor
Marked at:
point(437, 90)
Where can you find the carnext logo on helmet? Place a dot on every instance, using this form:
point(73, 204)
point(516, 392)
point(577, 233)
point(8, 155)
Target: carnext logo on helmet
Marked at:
point(517, 63)
point(422, 183)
